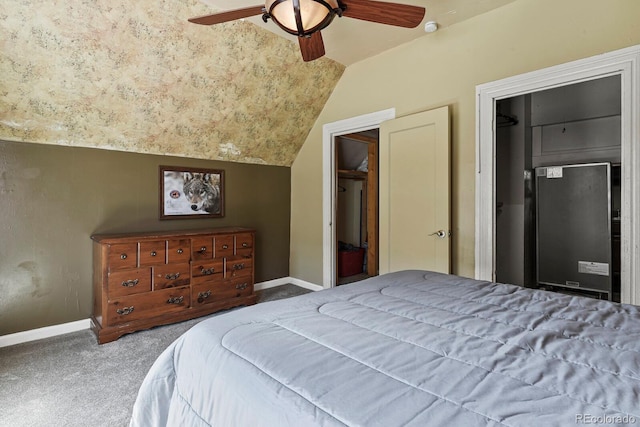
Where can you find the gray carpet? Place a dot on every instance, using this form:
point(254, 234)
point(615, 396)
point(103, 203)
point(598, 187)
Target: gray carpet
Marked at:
point(69, 380)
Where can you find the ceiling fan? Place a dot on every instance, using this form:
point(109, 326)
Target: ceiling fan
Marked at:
point(305, 18)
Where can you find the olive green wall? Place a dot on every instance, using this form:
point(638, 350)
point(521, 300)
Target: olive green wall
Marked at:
point(53, 198)
point(444, 68)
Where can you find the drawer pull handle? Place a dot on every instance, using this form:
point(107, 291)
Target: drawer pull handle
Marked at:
point(123, 256)
point(225, 246)
point(154, 253)
point(204, 295)
point(238, 266)
point(203, 249)
point(125, 310)
point(175, 300)
point(180, 251)
point(130, 283)
point(172, 276)
point(207, 271)
point(245, 244)
point(242, 286)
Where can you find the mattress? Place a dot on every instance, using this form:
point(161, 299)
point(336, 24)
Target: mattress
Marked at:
point(412, 348)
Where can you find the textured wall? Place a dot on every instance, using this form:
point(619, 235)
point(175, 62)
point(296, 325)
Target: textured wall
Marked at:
point(136, 76)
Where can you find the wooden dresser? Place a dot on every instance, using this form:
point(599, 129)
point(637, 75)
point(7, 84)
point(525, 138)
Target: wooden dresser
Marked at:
point(141, 280)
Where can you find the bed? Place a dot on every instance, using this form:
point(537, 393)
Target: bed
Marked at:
point(412, 348)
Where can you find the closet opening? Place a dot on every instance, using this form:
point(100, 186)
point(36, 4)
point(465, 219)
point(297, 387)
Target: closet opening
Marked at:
point(558, 189)
point(356, 206)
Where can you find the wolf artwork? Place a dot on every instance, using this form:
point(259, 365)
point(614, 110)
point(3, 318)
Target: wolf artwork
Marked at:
point(191, 193)
point(202, 193)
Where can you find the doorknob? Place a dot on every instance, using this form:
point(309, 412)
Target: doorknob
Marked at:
point(440, 233)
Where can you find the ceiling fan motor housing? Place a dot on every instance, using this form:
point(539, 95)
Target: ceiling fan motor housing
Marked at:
point(302, 17)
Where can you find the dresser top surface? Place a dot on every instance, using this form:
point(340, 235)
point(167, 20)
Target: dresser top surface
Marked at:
point(151, 235)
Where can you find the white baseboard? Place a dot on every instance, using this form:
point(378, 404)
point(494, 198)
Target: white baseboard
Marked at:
point(305, 284)
point(271, 283)
point(46, 332)
point(79, 325)
point(286, 280)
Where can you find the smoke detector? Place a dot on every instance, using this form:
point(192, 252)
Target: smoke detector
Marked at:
point(431, 27)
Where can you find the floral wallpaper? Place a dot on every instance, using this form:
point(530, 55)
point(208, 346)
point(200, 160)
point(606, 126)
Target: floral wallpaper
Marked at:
point(136, 76)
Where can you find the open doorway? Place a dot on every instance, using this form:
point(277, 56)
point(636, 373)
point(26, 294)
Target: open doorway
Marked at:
point(426, 133)
point(357, 206)
point(330, 134)
point(624, 63)
point(558, 163)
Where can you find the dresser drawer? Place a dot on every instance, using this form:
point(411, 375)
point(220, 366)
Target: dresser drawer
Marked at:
point(244, 253)
point(202, 248)
point(207, 271)
point(148, 305)
point(178, 251)
point(206, 293)
point(122, 255)
point(244, 242)
point(152, 253)
point(239, 267)
point(170, 275)
point(223, 246)
point(128, 282)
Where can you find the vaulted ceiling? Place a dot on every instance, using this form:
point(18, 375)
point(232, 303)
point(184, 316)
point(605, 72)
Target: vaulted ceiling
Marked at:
point(136, 76)
point(348, 41)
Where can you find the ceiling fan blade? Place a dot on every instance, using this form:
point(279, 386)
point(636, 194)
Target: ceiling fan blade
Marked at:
point(400, 15)
point(230, 15)
point(311, 47)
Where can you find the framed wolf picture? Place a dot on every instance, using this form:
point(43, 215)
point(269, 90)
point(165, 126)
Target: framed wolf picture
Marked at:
point(191, 193)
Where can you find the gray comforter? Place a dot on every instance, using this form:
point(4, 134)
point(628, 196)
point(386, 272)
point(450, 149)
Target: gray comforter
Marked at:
point(409, 348)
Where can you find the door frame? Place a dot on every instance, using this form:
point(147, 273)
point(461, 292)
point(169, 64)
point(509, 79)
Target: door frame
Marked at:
point(626, 64)
point(329, 133)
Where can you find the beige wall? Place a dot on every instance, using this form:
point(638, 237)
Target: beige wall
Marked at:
point(443, 69)
point(52, 199)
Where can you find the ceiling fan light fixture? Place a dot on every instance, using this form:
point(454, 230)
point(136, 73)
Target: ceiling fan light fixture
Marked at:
point(305, 18)
point(302, 17)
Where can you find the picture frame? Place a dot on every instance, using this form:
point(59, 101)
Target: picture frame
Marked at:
point(187, 193)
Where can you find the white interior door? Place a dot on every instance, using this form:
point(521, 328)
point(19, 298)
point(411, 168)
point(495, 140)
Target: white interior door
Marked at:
point(415, 192)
